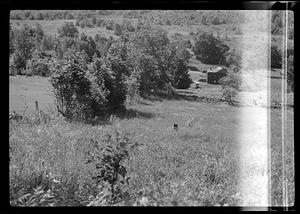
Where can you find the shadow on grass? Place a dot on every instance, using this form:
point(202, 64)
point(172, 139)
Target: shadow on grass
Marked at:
point(160, 96)
point(133, 113)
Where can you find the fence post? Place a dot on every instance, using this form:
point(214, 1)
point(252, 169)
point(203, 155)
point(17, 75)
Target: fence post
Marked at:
point(37, 107)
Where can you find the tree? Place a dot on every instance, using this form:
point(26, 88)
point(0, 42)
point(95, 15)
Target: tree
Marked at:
point(68, 30)
point(150, 55)
point(26, 14)
point(11, 39)
point(117, 30)
point(39, 16)
point(23, 45)
point(109, 24)
point(180, 73)
point(94, 20)
point(233, 59)
point(70, 16)
point(39, 35)
point(79, 91)
point(209, 49)
point(31, 17)
point(88, 45)
point(100, 22)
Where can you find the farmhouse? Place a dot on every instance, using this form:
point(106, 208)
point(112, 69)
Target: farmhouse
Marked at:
point(214, 75)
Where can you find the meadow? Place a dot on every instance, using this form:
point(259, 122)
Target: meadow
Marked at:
point(196, 165)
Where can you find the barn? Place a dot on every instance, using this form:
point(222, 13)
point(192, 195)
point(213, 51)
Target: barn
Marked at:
point(214, 75)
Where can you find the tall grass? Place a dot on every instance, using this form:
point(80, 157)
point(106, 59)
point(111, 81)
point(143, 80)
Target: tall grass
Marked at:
point(171, 168)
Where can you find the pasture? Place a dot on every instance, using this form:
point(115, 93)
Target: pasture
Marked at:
point(204, 162)
point(177, 166)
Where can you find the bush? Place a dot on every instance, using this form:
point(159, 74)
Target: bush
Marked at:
point(80, 92)
point(85, 91)
point(38, 67)
point(209, 49)
point(232, 80)
point(229, 94)
point(110, 173)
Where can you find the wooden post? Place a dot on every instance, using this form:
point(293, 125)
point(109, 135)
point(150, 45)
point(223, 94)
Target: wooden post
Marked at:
point(37, 107)
point(175, 126)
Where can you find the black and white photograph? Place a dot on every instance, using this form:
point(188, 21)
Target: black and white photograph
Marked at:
point(156, 107)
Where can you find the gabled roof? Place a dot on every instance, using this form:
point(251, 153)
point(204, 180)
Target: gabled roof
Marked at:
point(215, 70)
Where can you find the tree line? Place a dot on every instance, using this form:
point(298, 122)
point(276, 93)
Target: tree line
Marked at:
point(92, 75)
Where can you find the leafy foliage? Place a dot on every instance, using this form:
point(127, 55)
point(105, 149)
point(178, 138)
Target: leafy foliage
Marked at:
point(209, 49)
point(80, 93)
point(230, 86)
point(117, 30)
point(108, 163)
point(68, 30)
point(23, 48)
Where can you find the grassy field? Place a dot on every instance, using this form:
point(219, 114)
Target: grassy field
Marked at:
point(24, 91)
point(198, 165)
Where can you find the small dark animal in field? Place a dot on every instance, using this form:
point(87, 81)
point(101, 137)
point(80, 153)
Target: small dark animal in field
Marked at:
point(175, 126)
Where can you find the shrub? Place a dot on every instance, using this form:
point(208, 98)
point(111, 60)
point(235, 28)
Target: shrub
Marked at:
point(110, 174)
point(229, 93)
point(38, 67)
point(80, 92)
point(209, 49)
point(231, 80)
